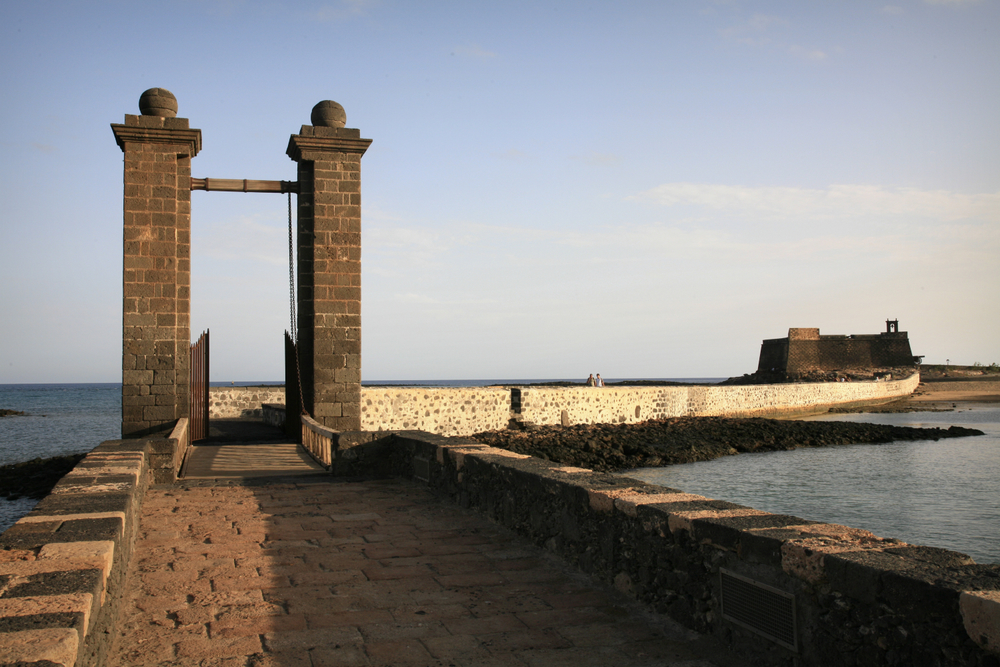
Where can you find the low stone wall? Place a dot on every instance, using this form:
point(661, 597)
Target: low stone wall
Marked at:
point(446, 411)
point(273, 414)
point(235, 402)
point(777, 589)
point(458, 411)
point(614, 405)
point(63, 566)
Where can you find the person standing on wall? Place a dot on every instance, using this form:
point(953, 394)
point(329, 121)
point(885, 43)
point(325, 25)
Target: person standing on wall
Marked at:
point(591, 381)
point(599, 381)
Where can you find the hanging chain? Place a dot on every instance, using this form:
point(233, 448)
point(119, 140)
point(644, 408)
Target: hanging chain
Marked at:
point(294, 332)
point(291, 272)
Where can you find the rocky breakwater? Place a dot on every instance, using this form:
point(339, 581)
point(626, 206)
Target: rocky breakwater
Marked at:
point(35, 478)
point(613, 447)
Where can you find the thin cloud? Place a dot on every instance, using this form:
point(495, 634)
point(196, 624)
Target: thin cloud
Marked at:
point(43, 148)
point(421, 299)
point(808, 54)
point(245, 239)
point(836, 201)
point(598, 159)
point(759, 31)
point(473, 51)
point(758, 23)
point(342, 10)
point(512, 154)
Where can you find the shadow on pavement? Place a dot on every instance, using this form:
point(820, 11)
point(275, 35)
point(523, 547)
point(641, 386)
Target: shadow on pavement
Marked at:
point(241, 431)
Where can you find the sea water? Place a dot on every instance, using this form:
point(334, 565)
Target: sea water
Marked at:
point(61, 419)
point(75, 418)
point(940, 493)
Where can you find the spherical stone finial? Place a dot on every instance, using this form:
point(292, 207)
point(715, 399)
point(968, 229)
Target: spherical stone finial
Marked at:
point(328, 114)
point(158, 102)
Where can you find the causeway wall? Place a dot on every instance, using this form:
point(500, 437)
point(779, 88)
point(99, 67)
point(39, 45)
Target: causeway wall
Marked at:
point(466, 410)
point(246, 402)
point(777, 589)
point(63, 566)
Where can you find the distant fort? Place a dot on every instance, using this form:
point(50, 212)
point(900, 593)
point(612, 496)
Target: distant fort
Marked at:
point(806, 351)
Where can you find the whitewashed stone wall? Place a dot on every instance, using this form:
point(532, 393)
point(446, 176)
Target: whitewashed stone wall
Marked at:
point(467, 410)
point(607, 405)
point(588, 405)
point(233, 402)
point(446, 411)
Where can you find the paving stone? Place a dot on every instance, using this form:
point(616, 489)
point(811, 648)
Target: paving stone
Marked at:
point(400, 652)
point(310, 639)
point(382, 573)
point(259, 625)
point(219, 647)
point(477, 579)
point(485, 625)
point(349, 618)
point(339, 656)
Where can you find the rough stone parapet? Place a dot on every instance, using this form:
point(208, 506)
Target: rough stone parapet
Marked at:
point(63, 566)
point(859, 598)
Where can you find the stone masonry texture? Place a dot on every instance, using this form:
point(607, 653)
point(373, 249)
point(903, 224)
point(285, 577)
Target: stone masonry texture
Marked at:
point(157, 270)
point(805, 350)
point(315, 572)
point(329, 273)
point(457, 411)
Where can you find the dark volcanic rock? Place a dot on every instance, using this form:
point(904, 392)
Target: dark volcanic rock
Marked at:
point(11, 413)
point(35, 478)
point(611, 447)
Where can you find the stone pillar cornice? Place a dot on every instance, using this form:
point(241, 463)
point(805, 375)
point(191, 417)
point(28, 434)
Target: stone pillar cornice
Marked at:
point(326, 140)
point(155, 130)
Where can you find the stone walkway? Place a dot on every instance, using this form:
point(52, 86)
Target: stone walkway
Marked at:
point(311, 571)
point(246, 461)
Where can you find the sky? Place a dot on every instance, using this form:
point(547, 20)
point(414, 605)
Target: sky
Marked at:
point(639, 189)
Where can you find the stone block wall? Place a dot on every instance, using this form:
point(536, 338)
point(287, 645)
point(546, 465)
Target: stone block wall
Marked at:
point(859, 599)
point(157, 271)
point(456, 411)
point(542, 405)
point(773, 354)
point(63, 566)
point(805, 350)
point(235, 402)
point(445, 411)
point(329, 271)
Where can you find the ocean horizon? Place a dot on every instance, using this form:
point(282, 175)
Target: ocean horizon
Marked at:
point(74, 417)
point(377, 383)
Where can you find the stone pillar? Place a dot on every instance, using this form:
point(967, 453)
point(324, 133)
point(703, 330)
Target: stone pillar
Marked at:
point(329, 259)
point(156, 306)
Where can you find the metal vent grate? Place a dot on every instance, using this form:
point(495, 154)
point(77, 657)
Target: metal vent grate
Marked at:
point(421, 469)
point(760, 608)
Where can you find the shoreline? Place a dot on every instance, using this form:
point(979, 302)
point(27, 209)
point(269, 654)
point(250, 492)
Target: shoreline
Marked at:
point(616, 447)
point(940, 394)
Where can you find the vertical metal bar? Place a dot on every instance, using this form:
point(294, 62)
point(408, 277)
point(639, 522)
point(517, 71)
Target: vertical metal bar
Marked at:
point(205, 384)
point(199, 389)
